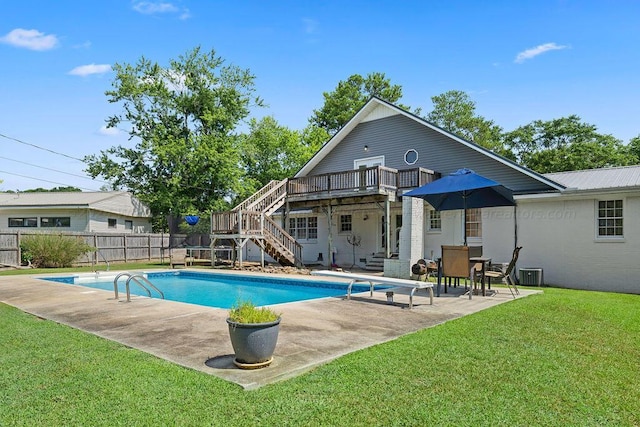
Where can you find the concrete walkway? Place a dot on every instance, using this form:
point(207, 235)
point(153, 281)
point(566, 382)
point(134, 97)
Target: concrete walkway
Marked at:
point(311, 333)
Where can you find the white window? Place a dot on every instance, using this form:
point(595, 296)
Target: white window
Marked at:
point(128, 224)
point(411, 157)
point(474, 223)
point(610, 218)
point(305, 228)
point(112, 223)
point(435, 221)
point(345, 223)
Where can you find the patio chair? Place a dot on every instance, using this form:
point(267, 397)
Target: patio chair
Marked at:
point(455, 264)
point(505, 274)
point(178, 256)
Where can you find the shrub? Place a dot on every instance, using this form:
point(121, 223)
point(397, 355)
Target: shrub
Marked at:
point(246, 312)
point(52, 250)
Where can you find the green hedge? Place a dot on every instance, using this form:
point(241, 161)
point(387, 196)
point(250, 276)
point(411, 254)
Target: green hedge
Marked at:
point(52, 250)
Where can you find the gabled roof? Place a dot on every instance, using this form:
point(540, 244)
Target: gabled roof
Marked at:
point(615, 178)
point(377, 108)
point(118, 202)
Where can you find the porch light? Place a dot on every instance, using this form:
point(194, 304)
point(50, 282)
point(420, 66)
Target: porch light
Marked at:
point(366, 148)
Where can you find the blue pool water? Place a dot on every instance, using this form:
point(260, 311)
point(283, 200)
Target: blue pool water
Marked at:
point(219, 290)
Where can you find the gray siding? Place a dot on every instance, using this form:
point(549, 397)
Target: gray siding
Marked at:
point(393, 136)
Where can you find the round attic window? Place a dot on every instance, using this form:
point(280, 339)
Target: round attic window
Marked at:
point(411, 157)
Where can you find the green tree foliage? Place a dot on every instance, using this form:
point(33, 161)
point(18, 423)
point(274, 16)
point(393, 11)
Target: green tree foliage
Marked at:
point(565, 144)
point(183, 119)
point(454, 111)
point(54, 190)
point(349, 96)
point(271, 151)
point(633, 149)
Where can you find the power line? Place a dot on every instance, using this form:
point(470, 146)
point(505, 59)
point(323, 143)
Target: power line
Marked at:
point(54, 170)
point(41, 148)
point(45, 180)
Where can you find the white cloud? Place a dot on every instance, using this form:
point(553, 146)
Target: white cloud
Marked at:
point(310, 25)
point(538, 50)
point(185, 14)
point(150, 8)
point(85, 45)
point(30, 39)
point(86, 70)
point(104, 130)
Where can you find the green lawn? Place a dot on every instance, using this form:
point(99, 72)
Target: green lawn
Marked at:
point(101, 267)
point(560, 358)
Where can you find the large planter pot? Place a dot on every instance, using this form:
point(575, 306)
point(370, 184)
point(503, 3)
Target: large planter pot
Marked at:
point(253, 343)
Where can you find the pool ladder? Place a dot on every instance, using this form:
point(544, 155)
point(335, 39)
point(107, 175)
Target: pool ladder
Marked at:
point(137, 278)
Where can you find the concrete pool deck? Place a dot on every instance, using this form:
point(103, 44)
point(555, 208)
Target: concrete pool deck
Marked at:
point(311, 333)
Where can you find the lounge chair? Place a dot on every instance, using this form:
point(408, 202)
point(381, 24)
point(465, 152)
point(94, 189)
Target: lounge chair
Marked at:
point(505, 275)
point(373, 281)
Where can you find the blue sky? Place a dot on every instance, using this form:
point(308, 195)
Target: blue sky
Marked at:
point(518, 60)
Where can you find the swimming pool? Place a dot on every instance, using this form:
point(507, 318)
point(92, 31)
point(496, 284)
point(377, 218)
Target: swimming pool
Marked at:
point(218, 289)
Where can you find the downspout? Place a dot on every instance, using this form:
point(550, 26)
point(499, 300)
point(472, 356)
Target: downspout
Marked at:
point(515, 226)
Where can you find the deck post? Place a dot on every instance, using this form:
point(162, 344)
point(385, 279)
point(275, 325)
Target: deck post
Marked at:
point(387, 228)
point(329, 237)
point(263, 240)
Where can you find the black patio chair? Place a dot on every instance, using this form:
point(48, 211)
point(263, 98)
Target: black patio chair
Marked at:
point(505, 275)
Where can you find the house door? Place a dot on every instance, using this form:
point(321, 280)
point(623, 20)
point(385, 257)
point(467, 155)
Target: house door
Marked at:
point(396, 226)
point(362, 179)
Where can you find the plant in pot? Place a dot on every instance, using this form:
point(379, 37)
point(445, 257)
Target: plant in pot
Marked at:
point(254, 334)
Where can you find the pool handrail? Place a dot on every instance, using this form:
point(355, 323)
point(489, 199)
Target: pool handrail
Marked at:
point(135, 278)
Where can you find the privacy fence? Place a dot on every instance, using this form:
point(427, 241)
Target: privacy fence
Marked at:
point(110, 247)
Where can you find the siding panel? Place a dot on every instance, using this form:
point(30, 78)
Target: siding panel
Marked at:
point(393, 136)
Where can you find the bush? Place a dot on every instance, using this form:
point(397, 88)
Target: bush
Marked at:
point(52, 250)
point(246, 312)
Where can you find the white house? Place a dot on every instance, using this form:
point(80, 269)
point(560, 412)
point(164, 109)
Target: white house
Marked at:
point(111, 211)
point(588, 235)
point(346, 206)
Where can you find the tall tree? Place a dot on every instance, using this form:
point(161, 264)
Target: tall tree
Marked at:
point(454, 111)
point(68, 189)
point(633, 148)
point(565, 144)
point(183, 119)
point(271, 151)
point(349, 96)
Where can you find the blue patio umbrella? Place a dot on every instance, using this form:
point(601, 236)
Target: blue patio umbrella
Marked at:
point(464, 189)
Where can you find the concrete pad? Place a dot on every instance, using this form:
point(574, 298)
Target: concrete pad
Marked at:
point(311, 332)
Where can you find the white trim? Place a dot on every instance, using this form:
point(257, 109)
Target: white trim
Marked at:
point(596, 220)
point(367, 161)
point(417, 156)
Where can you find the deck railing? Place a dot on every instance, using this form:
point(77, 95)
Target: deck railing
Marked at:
point(365, 179)
point(250, 223)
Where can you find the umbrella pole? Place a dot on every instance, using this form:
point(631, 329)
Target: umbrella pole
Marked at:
point(464, 217)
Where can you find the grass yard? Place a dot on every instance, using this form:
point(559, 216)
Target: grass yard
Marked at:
point(88, 269)
point(561, 358)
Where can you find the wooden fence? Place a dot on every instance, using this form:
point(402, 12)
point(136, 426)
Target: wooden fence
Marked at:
point(110, 247)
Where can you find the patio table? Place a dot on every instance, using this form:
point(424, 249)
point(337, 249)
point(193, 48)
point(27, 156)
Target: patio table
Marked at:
point(484, 262)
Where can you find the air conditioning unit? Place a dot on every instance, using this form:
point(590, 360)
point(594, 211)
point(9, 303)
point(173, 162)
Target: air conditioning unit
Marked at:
point(531, 276)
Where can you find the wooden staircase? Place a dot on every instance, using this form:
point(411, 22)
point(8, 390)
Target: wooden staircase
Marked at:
point(251, 221)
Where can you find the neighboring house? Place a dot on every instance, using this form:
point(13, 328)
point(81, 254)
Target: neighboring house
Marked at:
point(112, 211)
point(345, 207)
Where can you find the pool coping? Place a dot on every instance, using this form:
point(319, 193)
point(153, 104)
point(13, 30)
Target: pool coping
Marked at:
point(311, 333)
